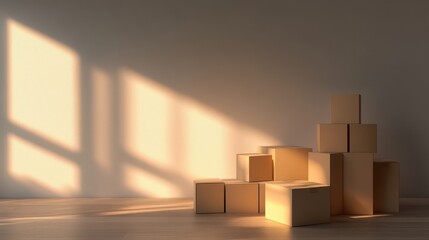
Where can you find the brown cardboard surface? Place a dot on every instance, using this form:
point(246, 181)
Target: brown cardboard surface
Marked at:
point(327, 168)
point(290, 162)
point(209, 196)
point(332, 138)
point(297, 205)
point(262, 191)
point(241, 197)
point(386, 186)
point(346, 108)
point(261, 197)
point(358, 183)
point(363, 138)
point(254, 167)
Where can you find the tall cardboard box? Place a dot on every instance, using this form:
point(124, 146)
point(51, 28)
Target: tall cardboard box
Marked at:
point(358, 183)
point(209, 196)
point(332, 138)
point(297, 205)
point(290, 162)
point(386, 186)
point(327, 168)
point(254, 167)
point(346, 108)
point(363, 138)
point(241, 197)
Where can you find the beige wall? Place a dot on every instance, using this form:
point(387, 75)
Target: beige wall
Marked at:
point(137, 98)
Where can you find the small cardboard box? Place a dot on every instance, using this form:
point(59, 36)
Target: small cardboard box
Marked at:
point(332, 138)
point(290, 162)
point(209, 196)
point(254, 167)
point(358, 183)
point(241, 197)
point(363, 138)
point(386, 186)
point(346, 108)
point(297, 204)
point(327, 168)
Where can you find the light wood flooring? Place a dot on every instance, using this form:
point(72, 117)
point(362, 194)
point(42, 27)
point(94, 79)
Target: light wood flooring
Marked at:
point(135, 218)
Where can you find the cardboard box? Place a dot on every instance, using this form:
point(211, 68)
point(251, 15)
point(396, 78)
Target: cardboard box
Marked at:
point(290, 163)
point(346, 108)
point(363, 138)
point(327, 168)
point(297, 204)
point(386, 186)
point(262, 197)
point(358, 183)
point(241, 197)
point(254, 167)
point(209, 196)
point(262, 191)
point(332, 138)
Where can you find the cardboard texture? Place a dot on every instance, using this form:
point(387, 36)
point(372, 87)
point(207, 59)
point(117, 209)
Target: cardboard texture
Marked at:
point(209, 196)
point(346, 108)
point(254, 167)
point(297, 204)
point(363, 138)
point(290, 163)
point(327, 168)
point(332, 138)
point(358, 183)
point(262, 196)
point(386, 186)
point(241, 197)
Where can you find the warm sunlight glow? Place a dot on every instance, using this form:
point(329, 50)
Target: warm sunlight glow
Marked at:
point(148, 184)
point(211, 140)
point(35, 165)
point(172, 133)
point(369, 216)
point(207, 141)
point(138, 209)
point(319, 171)
point(147, 120)
point(26, 220)
point(102, 104)
point(43, 86)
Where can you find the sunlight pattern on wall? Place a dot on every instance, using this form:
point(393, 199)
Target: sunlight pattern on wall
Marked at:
point(43, 101)
point(168, 133)
point(147, 119)
point(43, 86)
point(32, 164)
point(141, 138)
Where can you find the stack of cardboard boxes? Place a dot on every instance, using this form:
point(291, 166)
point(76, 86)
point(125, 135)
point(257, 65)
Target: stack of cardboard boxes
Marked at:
point(295, 186)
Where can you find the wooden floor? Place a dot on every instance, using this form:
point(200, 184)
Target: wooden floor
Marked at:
point(134, 218)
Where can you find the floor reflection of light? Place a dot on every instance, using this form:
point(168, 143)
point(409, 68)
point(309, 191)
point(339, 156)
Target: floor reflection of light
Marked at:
point(22, 220)
point(149, 208)
point(369, 216)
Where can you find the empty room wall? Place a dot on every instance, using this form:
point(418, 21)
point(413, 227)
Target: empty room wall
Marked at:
point(137, 98)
